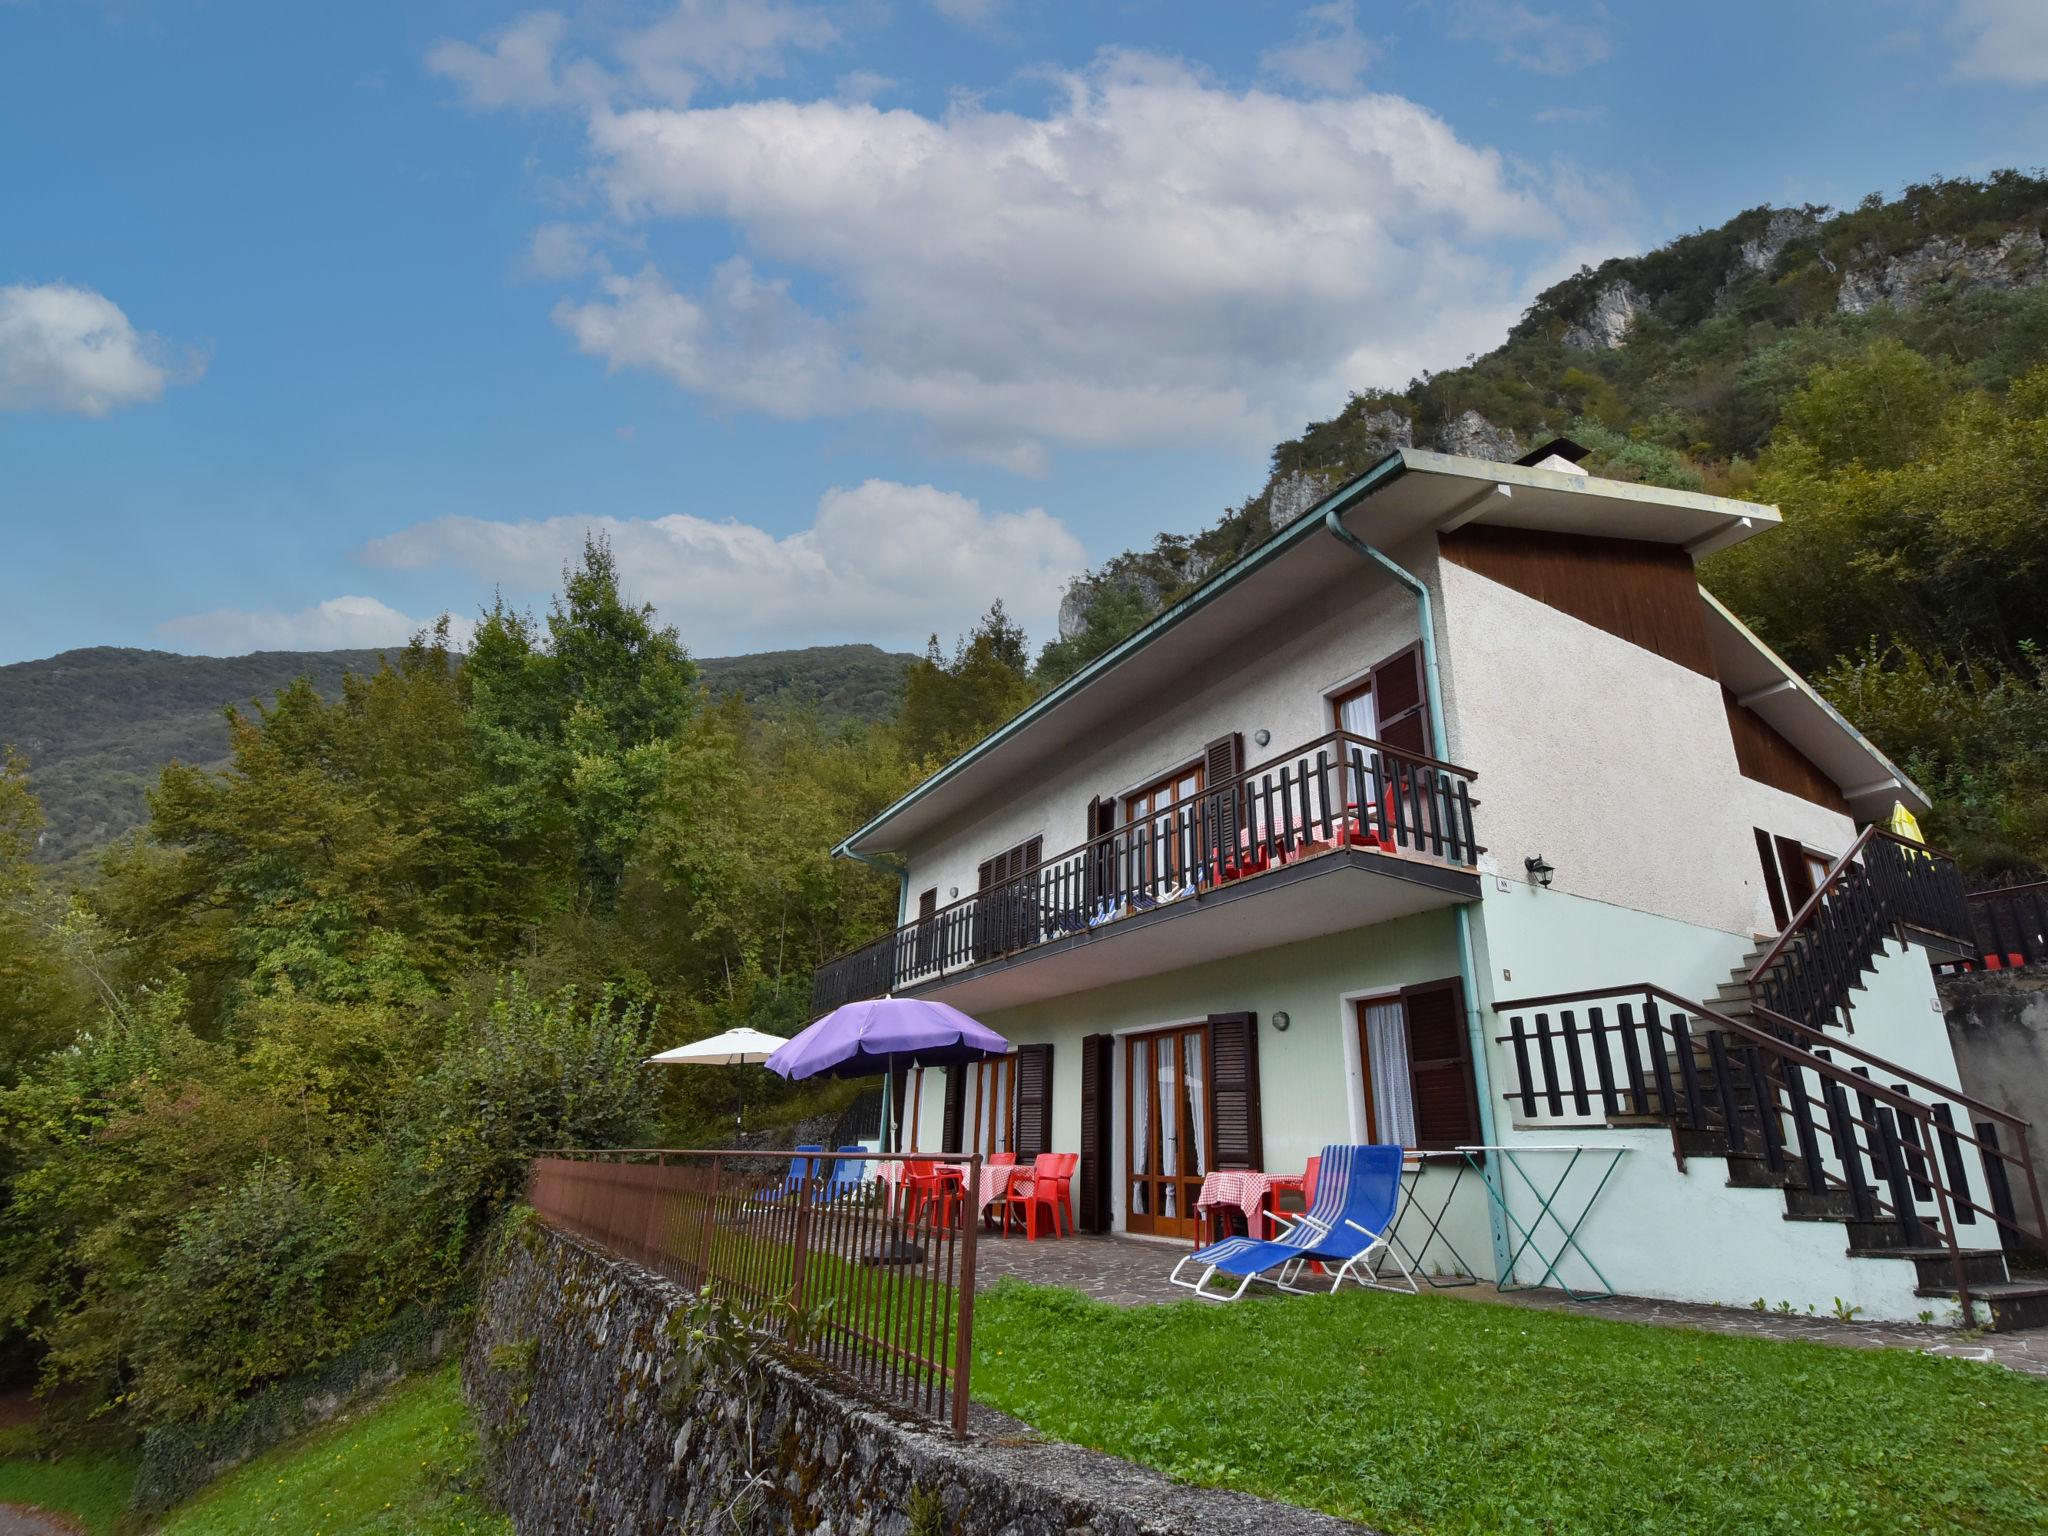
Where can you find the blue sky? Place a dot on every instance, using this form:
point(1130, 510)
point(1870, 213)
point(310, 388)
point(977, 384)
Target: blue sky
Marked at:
point(316, 321)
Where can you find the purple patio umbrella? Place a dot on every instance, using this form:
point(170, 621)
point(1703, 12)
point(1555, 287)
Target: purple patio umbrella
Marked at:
point(878, 1036)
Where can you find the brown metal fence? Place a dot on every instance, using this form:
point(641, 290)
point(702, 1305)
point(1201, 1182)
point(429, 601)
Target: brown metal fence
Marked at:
point(819, 1246)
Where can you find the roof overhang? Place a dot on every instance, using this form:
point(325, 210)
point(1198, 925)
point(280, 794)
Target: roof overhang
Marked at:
point(1409, 493)
point(1768, 688)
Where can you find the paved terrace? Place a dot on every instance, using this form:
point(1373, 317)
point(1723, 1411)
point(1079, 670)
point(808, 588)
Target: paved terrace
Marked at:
point(1131, 1272)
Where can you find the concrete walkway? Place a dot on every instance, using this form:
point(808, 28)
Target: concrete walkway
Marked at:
point(1131, 1272)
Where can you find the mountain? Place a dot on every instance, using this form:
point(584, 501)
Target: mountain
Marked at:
point(1673, 366)
point(98, 725)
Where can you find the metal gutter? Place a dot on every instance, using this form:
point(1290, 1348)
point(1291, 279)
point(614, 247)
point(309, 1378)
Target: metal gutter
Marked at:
point(1300, 531)
point(1468, 972)
point(900, 871)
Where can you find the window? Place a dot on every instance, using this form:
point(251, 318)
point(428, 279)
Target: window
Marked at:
point(1419, 1085)
point(927, 946)
point(1792, 873)
point(1163, 814)
point(994, 1086)
point(1009, 864)
point(1353, 712)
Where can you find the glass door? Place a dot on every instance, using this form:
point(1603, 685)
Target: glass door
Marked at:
point(1166, 1130)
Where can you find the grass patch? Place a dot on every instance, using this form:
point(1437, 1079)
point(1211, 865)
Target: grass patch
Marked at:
point(91, 1488)
point(1432, 1415)
point(406, 1465)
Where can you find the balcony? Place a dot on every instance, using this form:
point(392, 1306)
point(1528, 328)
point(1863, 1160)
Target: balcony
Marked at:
point(1338, 834)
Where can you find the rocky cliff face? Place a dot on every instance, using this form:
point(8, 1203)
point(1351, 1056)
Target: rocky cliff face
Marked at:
point(2017, 259)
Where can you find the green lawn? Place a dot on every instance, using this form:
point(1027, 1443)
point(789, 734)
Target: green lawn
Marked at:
point(1428, 1414)
point(92, 1489)
point(404, 1467)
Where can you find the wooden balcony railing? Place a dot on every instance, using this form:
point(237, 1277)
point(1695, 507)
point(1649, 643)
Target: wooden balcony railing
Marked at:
point(2008, 928)
point(1338, 791)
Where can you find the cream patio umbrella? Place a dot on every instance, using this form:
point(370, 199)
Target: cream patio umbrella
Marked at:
point(734, 1048)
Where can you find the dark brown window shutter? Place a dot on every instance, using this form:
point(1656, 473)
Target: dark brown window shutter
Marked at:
point(1222, 762)
point(1768, 857)
point(1034, 1101)
point(956, 1103)
point(1401, 701)
point(1234, 1125)
point(1098, 1056)
point(1099, 872)
point(1440, 1066)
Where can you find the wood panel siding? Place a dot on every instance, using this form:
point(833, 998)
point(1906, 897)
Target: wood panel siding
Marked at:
point(1646, 594)
point(1762, 754)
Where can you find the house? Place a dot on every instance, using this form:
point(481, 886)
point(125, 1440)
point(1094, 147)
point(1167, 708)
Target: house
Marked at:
point(1458, 814)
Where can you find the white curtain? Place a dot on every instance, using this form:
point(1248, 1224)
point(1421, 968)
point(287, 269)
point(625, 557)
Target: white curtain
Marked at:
point(1360, 717)
point(1169, 1127)
point(1393, 1094)
point(1141, 1125)
point(1198, 1101)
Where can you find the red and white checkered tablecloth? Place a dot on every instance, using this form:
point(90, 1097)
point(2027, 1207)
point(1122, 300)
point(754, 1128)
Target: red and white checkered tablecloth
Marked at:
point(1246, 1188)
point(995, 1182)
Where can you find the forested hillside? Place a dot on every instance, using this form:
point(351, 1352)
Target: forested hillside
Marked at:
point(1880, 374)
point(97, 726)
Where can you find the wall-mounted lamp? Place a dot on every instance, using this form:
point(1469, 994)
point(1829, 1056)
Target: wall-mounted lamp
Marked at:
point(1281, 1021)
point(1262, 737)
point(953, 893)
point(1539, 870)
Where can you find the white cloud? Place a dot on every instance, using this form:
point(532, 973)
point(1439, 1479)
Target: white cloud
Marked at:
point(734, 42)
point(2003, 40)
point(1543, 41)
point(1331, 54)
point(881, 561)
point(1154, 258)
point(340, 623)
point(71, 349)
point(517, 67)
point(528, 63)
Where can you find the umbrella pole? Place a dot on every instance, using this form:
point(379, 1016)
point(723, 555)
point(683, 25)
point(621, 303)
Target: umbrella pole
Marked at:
point(888, 1078)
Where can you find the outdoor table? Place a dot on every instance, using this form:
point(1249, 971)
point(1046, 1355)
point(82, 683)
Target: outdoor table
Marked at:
point(1510, 1158)
point(1412, 1165)
point(994, 1183)
point(1246, 1188)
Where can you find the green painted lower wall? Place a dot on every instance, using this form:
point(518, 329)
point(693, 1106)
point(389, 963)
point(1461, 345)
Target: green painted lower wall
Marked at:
point(1311, 1088)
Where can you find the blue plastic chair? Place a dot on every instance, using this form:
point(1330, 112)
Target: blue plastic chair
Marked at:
point(1358, 1192)
point(849, 1176)
point(800, 1168)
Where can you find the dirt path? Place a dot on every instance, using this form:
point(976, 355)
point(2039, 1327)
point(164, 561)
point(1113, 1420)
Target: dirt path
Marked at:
point(20, 1520)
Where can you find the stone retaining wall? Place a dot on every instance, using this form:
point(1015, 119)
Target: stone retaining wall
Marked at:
point(573, 1379)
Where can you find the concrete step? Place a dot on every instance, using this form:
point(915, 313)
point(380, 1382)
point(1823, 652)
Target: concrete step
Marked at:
point(2010, 1304)
point(1934, 1268)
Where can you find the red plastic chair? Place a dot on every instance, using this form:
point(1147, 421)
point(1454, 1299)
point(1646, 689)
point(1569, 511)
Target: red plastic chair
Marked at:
point(1002, 1159)
point(1044, 1188)
point(926, 1185)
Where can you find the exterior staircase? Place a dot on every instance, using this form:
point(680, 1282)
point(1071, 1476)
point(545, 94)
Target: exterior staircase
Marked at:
point(1915, 1171)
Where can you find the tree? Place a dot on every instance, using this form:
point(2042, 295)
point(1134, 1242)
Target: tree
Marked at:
point(950, 705)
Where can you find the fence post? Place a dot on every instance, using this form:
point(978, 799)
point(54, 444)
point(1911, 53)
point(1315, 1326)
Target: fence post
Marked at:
point(963, 1341)
point(800, 1242)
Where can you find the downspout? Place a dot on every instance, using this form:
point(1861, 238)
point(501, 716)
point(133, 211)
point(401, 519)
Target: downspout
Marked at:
point(900, 871)
point(1475, 1026)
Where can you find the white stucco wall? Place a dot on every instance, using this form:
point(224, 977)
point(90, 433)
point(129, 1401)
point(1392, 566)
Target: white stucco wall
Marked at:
point(1613, 763)
point(1279, 679)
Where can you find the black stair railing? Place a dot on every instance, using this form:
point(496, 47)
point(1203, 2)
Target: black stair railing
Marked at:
point(1339, 791)
point(1824, 1117)
point(1884, 887)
